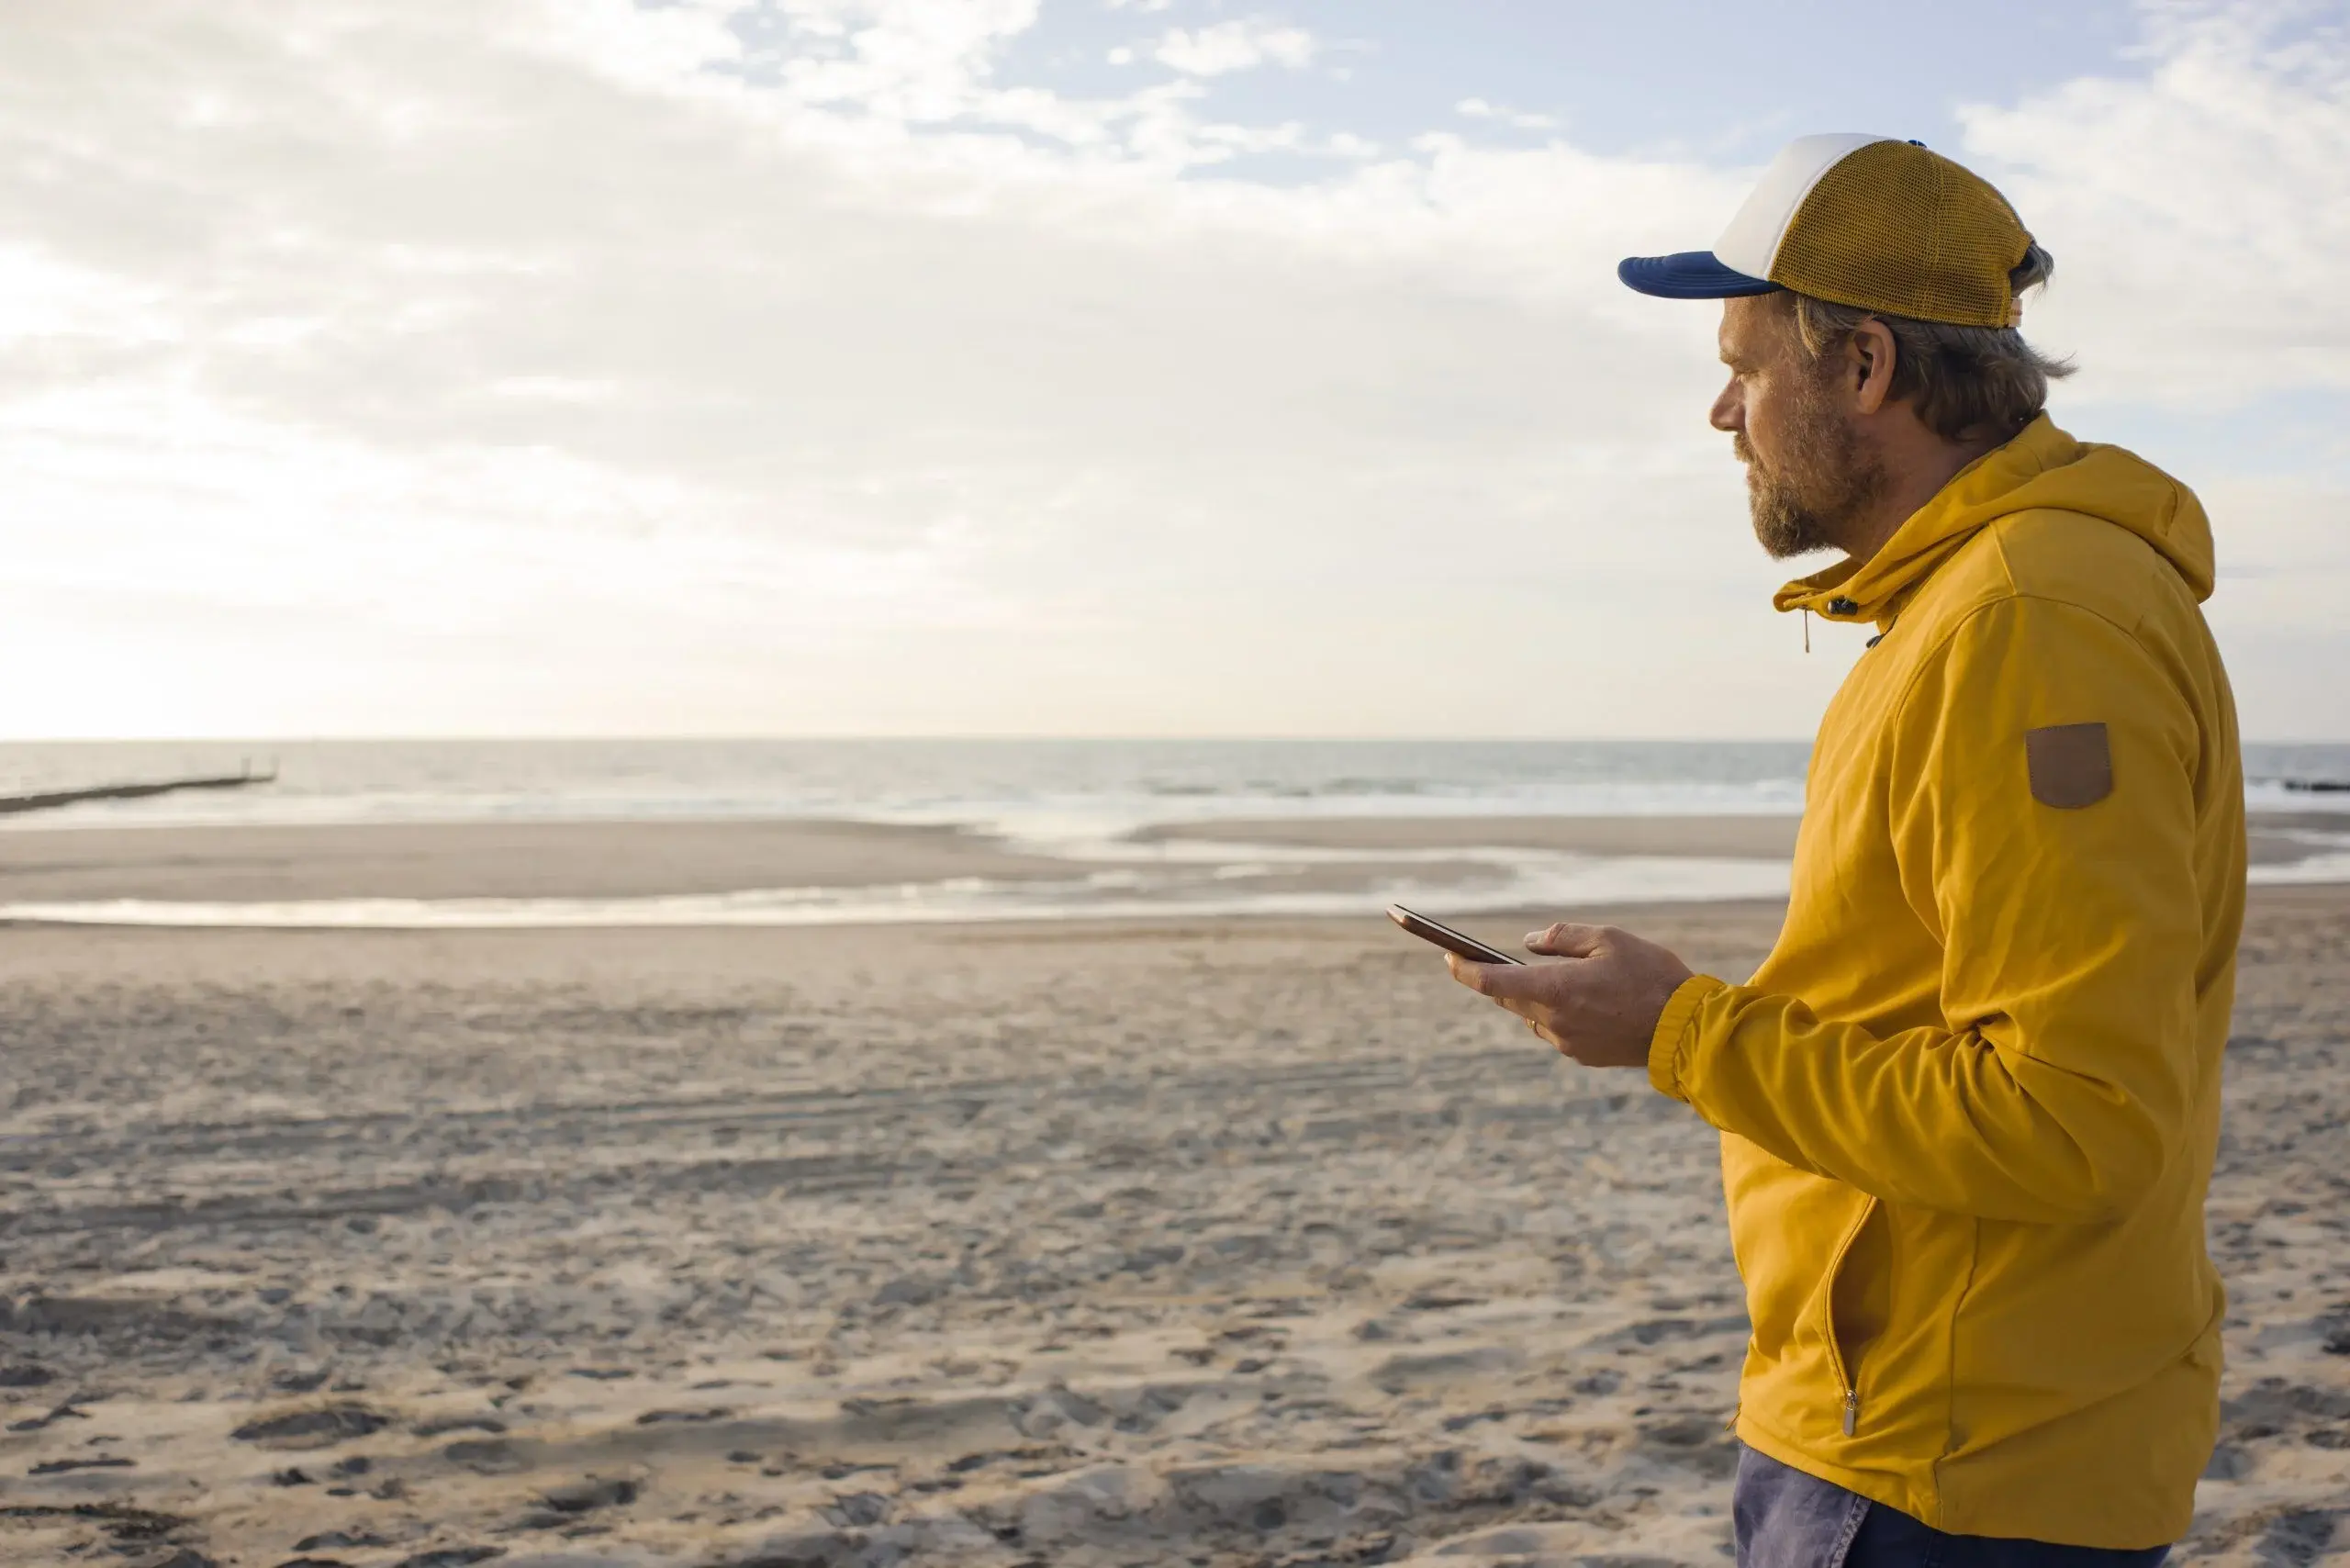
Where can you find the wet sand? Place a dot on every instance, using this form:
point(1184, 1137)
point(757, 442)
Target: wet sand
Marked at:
point(445, 860)
point(1235, 1242)
point(2270, 835)
point(1755, 837)
point(639, 859)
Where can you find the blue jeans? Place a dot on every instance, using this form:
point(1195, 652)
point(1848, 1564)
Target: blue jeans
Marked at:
point(1785, 1518)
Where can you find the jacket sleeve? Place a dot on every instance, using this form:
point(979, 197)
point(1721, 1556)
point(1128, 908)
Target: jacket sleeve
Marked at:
point(2061, 1081)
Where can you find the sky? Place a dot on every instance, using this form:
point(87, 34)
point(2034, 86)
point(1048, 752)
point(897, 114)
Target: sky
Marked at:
point(1060, 368)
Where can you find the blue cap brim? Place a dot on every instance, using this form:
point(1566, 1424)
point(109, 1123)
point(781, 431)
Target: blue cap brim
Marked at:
point(1689, 274)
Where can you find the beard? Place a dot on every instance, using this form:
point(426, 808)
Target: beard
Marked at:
point(1807, 500)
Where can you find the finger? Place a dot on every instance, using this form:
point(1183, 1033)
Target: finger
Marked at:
point(1506, 983)
point(1475, 976)
point(1548, 1036)
point(1566, 940)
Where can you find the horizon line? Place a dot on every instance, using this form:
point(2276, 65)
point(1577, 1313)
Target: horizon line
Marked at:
point(989, 737)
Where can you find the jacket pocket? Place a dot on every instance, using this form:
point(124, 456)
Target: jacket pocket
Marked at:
point(1855, 1303)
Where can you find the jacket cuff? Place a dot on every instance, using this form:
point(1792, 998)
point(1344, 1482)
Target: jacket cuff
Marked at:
point(1678, 1022)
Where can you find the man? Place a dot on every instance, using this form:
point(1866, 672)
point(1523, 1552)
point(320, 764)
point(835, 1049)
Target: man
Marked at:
point(1969, 1104)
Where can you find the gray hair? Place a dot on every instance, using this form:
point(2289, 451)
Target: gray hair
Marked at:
point(1967, 384)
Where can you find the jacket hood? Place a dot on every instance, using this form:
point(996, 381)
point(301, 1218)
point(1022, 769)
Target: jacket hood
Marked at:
point(2043, 468)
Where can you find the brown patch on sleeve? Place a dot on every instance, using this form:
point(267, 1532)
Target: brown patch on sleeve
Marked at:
point(2072, 765)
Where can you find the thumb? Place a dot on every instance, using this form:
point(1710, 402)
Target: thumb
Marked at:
point(1503, 982)
point(1568, 941)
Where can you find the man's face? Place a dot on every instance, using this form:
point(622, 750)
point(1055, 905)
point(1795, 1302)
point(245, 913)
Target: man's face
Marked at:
point(1809, 474)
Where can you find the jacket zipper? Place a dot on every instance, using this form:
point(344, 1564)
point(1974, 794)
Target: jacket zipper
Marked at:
point(1844, 1379)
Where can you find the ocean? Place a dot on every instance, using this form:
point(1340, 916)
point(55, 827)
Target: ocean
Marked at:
point(1079, 802)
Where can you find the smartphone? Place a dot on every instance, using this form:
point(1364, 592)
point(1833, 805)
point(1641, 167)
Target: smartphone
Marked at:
point(1444, 936)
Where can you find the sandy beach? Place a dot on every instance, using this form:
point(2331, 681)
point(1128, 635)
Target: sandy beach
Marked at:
point(1231, 1242)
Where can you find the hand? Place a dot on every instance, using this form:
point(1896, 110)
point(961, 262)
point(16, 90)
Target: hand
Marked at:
point(1600, 1006)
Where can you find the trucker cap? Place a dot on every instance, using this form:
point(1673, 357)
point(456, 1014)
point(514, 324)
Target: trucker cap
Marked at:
point(1868, 221)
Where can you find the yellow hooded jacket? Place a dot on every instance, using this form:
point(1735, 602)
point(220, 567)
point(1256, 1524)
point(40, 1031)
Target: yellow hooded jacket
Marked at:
point(1969, 1104)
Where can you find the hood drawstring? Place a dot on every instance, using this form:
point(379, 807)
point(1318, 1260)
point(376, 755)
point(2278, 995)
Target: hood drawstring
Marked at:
point(1807, 630)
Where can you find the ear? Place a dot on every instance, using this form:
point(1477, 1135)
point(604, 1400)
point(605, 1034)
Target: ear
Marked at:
point(1873, 354)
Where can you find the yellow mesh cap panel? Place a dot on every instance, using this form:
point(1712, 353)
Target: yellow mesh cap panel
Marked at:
point(1898, 229)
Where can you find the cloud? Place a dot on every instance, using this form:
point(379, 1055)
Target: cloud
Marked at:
point(1477, 109)
point(568, 365)
point(1234, 46)
point(2199, 213)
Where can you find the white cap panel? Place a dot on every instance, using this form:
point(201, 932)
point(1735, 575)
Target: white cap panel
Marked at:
point(1751, 243)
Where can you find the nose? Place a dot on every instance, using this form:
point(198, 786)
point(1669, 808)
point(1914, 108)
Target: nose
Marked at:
point(1729, 408)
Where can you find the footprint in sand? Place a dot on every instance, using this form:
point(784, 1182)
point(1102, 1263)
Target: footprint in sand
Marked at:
point(317, 1429)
